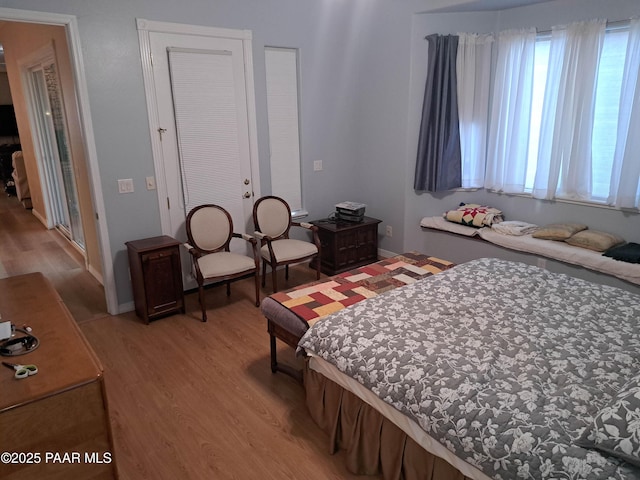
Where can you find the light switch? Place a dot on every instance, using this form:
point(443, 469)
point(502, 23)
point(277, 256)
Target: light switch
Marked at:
point(125, 185)
point(151, 183)
point(317, 166)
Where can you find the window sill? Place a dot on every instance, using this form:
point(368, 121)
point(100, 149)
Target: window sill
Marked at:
point(299, 214)
point(558, 200)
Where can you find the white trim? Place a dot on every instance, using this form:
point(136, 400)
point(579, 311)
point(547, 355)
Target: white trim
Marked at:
point(386, 253)
point(126, 307)
point(145, 27)
point(25, 64)
point(70, 23)
point(185, 29)
point(584, 203)
point(12, 14)
point(251, 114)
point(42, 220)
point(299, 214)
point(96, 274)
point(152, 116)
point(44, 54)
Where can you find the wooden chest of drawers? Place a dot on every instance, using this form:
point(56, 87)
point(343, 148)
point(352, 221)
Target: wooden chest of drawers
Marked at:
point(63, 408)
point(156, 276)
point(346, 245)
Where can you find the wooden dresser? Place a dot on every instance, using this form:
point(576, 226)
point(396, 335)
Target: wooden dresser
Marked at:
point(347, 245)
point(63, 408)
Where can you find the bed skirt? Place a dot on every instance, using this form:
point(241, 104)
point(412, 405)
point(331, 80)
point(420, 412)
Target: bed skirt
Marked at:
point(373, 444)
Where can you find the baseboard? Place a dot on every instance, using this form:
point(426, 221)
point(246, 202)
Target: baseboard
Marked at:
point(385, 253)
point(42, 219)
point(96, 274)
point(126, 307)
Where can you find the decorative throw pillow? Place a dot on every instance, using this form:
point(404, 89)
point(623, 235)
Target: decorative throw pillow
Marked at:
point(594, 240)
point(474, 215)
point(559, 231)
point(615, 428)
point(625, 253)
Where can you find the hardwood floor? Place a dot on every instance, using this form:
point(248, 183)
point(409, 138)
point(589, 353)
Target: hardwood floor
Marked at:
point(187, 400)
point(198, 400)
point(27, 246)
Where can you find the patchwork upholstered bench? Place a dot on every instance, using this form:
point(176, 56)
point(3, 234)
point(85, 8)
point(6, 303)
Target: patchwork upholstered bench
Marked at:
point(291, 312)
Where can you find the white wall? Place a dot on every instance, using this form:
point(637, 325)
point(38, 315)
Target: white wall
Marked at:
point(361, 93)
point(327, 33)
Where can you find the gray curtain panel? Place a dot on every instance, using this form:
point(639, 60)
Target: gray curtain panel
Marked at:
point(439, 166)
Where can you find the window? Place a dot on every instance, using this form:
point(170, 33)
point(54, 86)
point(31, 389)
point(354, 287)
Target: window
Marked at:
point(573, 105)
point(605, 116)
point(607, 110)
point(284, 140)
point(540, 67)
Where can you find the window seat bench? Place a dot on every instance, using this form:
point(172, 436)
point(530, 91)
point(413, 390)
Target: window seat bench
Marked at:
point(555, 250)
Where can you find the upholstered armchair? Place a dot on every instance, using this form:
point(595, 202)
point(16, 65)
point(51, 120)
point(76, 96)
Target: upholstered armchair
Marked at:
point(209, 233)
point(272, 220)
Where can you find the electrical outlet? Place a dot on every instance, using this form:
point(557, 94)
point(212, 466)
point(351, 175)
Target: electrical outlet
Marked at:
point(317, 165)
point(389, 231)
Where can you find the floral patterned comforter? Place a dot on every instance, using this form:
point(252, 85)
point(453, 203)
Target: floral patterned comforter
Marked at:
point(504, 363)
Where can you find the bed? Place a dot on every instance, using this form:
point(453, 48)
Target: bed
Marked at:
point(491, 369)
point(290, 313)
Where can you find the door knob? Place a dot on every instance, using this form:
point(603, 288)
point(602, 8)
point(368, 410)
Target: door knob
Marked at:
point(246, 195)
point(247, 181)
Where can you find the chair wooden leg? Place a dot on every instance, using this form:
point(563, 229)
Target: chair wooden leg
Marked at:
point(274, 277)
point(264, 273)
point(257, 289)
point(318, 268)
point(202, 305)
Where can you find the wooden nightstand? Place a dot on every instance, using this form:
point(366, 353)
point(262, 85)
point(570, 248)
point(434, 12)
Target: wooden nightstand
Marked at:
point(156, 276)
point(347, 245)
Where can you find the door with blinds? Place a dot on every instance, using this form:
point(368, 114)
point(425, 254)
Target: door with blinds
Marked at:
point(206, 130)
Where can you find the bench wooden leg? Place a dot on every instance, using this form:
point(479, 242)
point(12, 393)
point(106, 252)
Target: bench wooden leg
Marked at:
point(286, 369)
point(274, 360)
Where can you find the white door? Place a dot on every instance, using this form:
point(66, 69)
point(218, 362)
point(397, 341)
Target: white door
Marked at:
point(49, 126)
point(205, 124)
point(54, 155)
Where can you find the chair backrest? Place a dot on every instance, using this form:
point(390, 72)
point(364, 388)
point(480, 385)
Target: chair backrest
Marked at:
point(209, 228)
point(272, 216)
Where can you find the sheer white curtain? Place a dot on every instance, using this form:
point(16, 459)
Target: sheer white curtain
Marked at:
point(564, 156)
point(473, 66)
point(511, 111)
point(625, 178)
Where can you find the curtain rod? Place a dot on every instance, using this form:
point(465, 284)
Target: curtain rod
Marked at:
point(611, 25)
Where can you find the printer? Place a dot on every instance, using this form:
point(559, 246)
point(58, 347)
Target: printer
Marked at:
point(350, 211)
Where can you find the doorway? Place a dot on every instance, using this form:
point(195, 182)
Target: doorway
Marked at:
point(202, 120)
point(84, 141)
